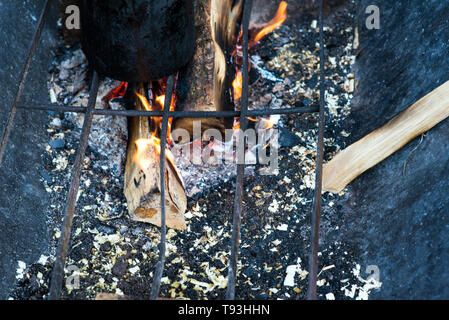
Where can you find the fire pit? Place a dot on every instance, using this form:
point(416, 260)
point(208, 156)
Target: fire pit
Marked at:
point(223, 229)
point(229, 90)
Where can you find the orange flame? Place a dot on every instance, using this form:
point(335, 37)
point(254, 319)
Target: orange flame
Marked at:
point(273, 24)
point(149, 145)
point(154, 143)
point(144, 102)
point(266, 123)
point(237, 84)
point(161, 101)
point(264, 29)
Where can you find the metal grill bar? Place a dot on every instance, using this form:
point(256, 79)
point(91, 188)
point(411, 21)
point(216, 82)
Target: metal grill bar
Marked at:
point(235, 242)
point(26, 68)
point(162, 246)
point(172, 114)
point(58, 269)
point(316, 214)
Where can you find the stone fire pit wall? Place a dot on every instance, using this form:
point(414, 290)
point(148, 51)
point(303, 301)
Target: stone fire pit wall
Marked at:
point(399, 218)
point(23, 200)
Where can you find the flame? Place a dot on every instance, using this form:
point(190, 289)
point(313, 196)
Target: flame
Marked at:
point(154, 142)
point(144, 102)
point(149, 145)
point(161, 101)
point(273, 24)
point(265, 123)
point(142, 147)
point(264, 29)
point(237, 84)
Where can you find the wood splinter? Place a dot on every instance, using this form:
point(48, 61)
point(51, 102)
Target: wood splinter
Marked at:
point(142, 178)
point(383, 142)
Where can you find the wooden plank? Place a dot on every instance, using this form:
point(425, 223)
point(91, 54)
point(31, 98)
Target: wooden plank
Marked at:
point(383, 142)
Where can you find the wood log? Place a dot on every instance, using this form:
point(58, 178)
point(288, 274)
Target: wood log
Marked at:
point(206, 84)
point(142, 179)
point(383, 142)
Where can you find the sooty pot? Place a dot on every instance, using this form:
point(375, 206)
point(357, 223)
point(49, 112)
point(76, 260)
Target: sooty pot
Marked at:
point(137, 40)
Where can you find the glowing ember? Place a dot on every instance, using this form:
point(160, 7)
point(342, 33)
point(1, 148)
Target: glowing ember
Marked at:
point(117, 92)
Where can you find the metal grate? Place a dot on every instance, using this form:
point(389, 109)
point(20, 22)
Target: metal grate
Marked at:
point(166, 114)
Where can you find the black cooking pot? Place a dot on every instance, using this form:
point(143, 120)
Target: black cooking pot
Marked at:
point(137, 40)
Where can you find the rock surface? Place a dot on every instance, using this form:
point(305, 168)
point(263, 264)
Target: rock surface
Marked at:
point(23, 200)
point(397, 213)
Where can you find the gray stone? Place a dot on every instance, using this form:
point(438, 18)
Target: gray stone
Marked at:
point(57, 144)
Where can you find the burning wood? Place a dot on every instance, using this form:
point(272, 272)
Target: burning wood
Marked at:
point(142, 182)
point(213, 81)
point(197, 87)
point(142, 176)
point(226, 17)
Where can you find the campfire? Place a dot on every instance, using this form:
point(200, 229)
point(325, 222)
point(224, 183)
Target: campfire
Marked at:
point(130, 128)
point(234, 125)
point(144, 134)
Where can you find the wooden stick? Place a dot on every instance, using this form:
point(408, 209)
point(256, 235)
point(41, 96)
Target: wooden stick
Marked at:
point(142, 182)
point(383, 142)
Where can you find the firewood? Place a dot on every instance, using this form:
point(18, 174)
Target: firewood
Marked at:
point(383, 142)
point(226, 17)
point(206, 84)
point(142, 179)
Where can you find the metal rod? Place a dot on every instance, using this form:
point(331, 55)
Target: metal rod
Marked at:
point(232, 272)
point(58, 269)
point(13, 110)
point(316, 214)
point(162, 246)
point(172, 114)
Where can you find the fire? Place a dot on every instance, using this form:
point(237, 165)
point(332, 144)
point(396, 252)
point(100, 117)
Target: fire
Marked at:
point(143, 146)
point(237, 84)
point(154, 143)
point(144, 102)
point(273, 24)
point(117, 92)
point(255, 37)
point(264, 30)
point(161, 101)
point(264, 123)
